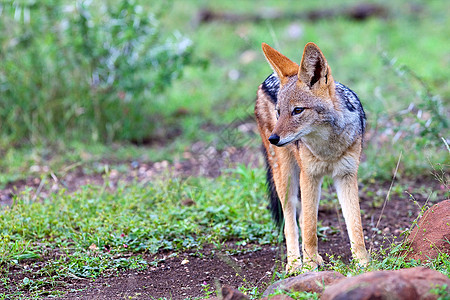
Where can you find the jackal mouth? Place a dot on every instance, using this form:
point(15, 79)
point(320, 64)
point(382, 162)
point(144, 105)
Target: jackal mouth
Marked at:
point(294, 139)
point(283, 144)
point(286, 143)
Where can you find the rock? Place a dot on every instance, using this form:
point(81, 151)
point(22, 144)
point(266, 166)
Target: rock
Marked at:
point(373, 285)
point(425, 280)
point(432, 233)
point(229, 293)
point(414, 283)
point(307, 282)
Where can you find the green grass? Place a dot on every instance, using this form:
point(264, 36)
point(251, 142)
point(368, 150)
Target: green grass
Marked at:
point(143, 217)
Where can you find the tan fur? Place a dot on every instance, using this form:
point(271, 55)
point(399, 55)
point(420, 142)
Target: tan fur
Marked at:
point(315, 147)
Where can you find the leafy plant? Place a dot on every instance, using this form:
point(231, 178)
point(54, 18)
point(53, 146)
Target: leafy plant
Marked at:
point(441, 291)
point(425, 121)
point(83, 70)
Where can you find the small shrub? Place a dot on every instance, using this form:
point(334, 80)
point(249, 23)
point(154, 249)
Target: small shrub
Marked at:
point(424, 122)
point(83, 70)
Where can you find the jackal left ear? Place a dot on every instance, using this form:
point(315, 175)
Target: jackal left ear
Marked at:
point(283, 66)
point(314, 66)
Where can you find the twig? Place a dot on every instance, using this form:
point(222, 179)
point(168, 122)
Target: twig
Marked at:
point(390, 188)
point(387, 198)
point(38, 191)
point(446, 144)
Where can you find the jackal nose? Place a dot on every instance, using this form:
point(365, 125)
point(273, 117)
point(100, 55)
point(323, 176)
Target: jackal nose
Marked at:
point(274, 139)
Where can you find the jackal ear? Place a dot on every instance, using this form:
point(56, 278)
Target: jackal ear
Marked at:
point(283, 66)
point(314, 66)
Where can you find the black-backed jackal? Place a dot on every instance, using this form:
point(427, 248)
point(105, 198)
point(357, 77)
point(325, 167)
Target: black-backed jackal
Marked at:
point(310, 126)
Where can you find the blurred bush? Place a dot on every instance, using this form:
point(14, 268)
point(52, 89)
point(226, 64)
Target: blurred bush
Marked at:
point(83, 70)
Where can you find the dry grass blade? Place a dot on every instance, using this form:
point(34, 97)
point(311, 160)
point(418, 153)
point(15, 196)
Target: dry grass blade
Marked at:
point(390, 188)
point(387, 197)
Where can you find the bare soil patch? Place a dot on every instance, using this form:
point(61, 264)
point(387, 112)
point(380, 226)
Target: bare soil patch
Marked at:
point(182, 276)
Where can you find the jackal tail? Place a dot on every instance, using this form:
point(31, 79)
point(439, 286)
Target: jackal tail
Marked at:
point(274, 200)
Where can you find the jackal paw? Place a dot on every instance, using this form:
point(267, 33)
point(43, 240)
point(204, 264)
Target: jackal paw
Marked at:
point(312, 263)
point(294, 266)
point(363, 259)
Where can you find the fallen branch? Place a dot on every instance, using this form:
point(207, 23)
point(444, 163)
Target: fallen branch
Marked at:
point(358, 12)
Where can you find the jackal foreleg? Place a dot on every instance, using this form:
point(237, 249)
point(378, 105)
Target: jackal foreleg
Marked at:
point(310, 194)
point(347, 192)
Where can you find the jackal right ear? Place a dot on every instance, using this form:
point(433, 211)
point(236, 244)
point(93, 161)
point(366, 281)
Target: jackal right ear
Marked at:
point(283, 66)
point(314, 66)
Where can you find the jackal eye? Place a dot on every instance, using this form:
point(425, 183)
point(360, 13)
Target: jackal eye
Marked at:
point(277, 112)
point(298, 110)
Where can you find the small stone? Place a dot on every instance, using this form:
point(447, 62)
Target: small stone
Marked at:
point(181, 111)
point(35, 169)
point(228, 293)
point(184, 261)
point(188, 202)
point(114, 173)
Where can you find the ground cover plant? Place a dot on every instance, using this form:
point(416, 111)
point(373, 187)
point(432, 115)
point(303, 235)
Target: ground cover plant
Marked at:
point(130, 162)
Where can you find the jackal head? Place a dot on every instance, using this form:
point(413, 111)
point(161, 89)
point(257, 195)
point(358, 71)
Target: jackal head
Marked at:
point(306, 94)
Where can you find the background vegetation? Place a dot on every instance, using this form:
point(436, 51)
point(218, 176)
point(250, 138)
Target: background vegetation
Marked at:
point(81, 74)
point(84, 82)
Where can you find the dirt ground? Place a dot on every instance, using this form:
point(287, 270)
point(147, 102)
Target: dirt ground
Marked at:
point(190, 274)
